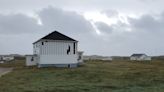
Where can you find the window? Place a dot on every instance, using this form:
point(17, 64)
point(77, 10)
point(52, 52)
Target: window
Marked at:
point(32, 58)
point(68, 50)
point(69, 66)
point(74, 48)
point(42, 43)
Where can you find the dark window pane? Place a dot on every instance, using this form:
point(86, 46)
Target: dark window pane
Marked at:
point(74, 48)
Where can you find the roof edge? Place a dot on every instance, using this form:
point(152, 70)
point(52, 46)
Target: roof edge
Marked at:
point(73, 40)
point(53, 40)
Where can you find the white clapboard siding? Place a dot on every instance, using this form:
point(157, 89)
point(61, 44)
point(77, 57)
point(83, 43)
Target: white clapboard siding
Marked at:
point(53, 50)
point(56, 48)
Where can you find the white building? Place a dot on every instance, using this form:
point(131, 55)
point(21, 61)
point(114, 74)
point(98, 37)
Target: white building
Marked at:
point(55, 49)
point(31, 60)
point(4, 58)
point(107, 59)
point(140, 57)
point(80, 57)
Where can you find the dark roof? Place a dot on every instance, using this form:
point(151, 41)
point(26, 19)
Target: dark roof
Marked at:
point(137, 55)
point(56, 36)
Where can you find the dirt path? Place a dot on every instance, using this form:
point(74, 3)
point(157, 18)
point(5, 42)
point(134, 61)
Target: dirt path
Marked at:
point(5, 70)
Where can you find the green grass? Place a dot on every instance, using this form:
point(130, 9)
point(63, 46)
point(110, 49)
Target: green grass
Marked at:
point(93, 76)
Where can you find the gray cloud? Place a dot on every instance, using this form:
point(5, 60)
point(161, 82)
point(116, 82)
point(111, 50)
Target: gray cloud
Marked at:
point(148, 0)
point(142, 35)
point(110, 13)
point(66, 21)
point(18, 24)
point(148, 23)
point(103, 27)
point(19, 29)
point(126, 6)
point(20, 44)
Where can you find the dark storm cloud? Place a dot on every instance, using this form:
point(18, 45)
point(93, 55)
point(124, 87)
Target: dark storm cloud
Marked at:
point(51, 18)
point(66, 21)
point(18, 24)
point(148, 23)
point(103, 27)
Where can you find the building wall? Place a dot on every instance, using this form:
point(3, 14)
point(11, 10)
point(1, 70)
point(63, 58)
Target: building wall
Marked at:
point(134, 58)
point(58, 65)
point(36, 48)
point(80, 57)
point(58, 59)
point(56, 52)
point(141, 58)
point(48, 47)
point(31, 60)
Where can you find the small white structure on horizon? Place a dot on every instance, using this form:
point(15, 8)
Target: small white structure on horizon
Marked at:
point(4, 58)
point(55, 49)
point(107, 59)
point(139, 57)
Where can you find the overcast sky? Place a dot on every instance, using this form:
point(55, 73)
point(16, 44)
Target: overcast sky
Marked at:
point(102, 27)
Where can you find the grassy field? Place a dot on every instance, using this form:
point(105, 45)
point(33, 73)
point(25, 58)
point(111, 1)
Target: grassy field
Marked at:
point(93, 76)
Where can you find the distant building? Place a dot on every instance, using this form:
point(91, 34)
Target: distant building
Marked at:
point(4, 58)
point(140, 57)
point(55, 49)
point(1, 59)
point(107, 58)
point(97, 57)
